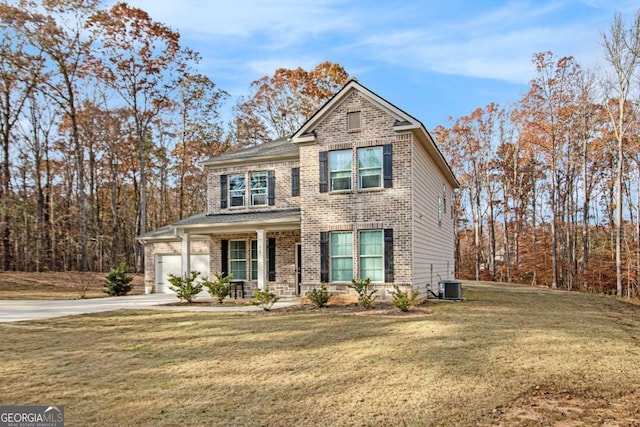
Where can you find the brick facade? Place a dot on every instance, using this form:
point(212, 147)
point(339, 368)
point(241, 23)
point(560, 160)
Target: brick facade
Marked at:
point(356, 209)
point(283, 199)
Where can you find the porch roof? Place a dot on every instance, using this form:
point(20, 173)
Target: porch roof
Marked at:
point(203, 223)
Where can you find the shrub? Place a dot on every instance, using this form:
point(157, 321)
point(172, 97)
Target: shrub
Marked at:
point(185, 287)
point(403, 300)
point(118, 281)
point(319, 297)
point(264, 299)
point(366, 296)
point(221, 287)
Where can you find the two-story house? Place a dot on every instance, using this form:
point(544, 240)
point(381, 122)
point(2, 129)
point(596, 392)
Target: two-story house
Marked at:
point(360, 190)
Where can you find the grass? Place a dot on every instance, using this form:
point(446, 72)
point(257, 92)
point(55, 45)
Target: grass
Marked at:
point(56, 285)
point(504, 356)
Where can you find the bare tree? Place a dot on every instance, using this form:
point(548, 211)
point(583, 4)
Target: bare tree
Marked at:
point(622, 51)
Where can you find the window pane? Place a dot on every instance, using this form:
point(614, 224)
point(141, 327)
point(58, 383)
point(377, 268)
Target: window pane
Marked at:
point(371, 268)
point(342, 270)
point(341, 244)
point(371, 243)
point(370, 157)
point(239, 270)
point(340, 160)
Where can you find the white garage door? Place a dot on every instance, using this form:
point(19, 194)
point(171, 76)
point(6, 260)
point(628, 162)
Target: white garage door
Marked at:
point(172, 264)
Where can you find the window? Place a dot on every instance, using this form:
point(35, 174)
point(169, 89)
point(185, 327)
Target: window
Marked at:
point(370, 167)
point(238, 259)
point(444, 198)
point(254, 260)
point(342, 256)
point(270, 261)
point(353, 121)
point(452, 201)
point(340, 170)
point(371, 259)
point(236, 190)
point(440, 205)
point(259, 186)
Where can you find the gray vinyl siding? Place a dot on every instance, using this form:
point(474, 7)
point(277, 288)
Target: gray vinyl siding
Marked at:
point(433, 243)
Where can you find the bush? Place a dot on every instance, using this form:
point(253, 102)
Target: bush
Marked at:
point(319, 297)
point(403, 300)
point(264, 299)
point(185, 287)
point(221, 287)
point(118, 281)
point(366, 296)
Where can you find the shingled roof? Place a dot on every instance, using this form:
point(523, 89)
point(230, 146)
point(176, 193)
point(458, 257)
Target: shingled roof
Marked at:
point(278, 148)
point(222, 220)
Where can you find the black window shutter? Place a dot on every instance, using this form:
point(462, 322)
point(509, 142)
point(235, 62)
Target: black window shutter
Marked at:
point(387, 165)
point(324, 172)
point(324, 257)
point(223, 191)
point(224, 256)
point(271, 247)
point(295, 182)
point(388, 255)
point(271, 183)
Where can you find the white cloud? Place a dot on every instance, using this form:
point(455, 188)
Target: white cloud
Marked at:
point(497, 45)
point(279, 22)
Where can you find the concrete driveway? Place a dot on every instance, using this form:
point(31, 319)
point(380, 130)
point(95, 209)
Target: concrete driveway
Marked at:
point(19, 310)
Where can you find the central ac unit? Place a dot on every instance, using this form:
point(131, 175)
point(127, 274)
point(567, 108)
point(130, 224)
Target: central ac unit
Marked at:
point(450, 289)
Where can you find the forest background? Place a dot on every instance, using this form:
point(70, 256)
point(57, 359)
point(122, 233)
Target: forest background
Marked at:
point(104, 117)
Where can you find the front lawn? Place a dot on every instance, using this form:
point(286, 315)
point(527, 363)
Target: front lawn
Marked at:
point(504, 356)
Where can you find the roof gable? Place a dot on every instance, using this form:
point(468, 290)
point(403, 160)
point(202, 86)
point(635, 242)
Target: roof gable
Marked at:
point(404, 122)
point(304, 134)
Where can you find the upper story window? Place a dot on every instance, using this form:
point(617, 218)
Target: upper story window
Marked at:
point(370, 167)
point(375, 168)
point(259, 188)
point(233, 189)
point(340, 170)
point(353, 121)
point(237, 189)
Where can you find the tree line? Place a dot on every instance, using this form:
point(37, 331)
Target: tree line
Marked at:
point(551, 185)
point(103, 119)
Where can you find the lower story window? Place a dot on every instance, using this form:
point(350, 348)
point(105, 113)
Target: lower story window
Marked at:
point(342, 256)
point(371, 255)
point(238, 259)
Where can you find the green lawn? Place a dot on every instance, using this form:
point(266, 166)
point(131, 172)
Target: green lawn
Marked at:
point(504, 356)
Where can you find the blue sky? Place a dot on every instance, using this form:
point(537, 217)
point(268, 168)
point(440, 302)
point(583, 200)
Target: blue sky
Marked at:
point(434, 59)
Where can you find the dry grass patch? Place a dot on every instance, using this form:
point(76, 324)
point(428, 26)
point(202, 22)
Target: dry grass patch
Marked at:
point(58, 285)
point(503, 356)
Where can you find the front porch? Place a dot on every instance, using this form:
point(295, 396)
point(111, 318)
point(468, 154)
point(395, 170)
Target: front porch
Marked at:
point(260, 249)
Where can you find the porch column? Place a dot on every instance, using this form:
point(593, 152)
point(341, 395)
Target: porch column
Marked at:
point(185, 254)
point(262, 259)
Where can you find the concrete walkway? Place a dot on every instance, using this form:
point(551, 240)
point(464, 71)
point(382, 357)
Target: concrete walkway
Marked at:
point(20, 310)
